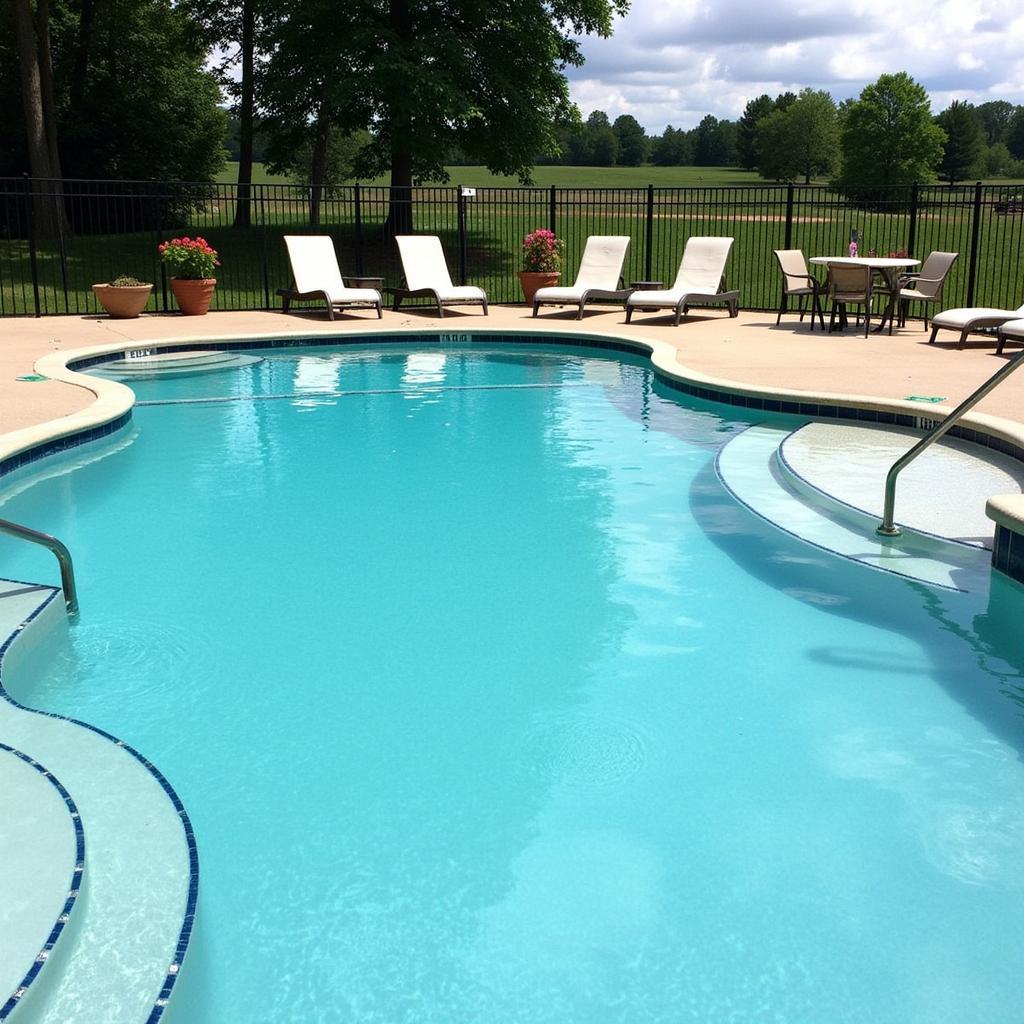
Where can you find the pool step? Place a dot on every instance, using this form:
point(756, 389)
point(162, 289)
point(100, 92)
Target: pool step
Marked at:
point(123, 942)
point(758, 470)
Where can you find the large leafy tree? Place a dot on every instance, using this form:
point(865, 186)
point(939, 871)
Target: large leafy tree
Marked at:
point(964, 149)
point(1015, 134)
point(800, 141)
point(714, 142)
point(426, 76)
point(889, 137)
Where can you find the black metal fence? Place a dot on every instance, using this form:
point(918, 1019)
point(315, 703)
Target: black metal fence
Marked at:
point(57, 238)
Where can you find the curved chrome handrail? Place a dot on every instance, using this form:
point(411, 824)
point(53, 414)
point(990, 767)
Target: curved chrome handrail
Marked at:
point(67, 569)
point(887, 527)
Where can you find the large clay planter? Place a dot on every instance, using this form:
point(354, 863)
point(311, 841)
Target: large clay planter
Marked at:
point(193, 295)
point(122, 303)
point(531, 280)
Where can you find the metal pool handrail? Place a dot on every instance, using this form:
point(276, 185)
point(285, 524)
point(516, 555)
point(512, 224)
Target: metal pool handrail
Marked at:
point(67, 569)
point(887, 527)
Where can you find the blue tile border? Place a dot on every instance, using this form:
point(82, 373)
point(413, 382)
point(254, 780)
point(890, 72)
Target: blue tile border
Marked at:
point(188, 920)
point(1008, 553)
point(73, 888)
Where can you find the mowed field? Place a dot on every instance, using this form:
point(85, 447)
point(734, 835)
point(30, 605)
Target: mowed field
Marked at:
point(560, 177)
point(486, 252)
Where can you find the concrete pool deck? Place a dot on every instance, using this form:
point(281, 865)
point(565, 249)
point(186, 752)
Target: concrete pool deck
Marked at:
point(749, 351)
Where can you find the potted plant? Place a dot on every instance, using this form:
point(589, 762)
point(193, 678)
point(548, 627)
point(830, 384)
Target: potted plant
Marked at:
point(542, 262)
point(124, 298)
point(190, 262)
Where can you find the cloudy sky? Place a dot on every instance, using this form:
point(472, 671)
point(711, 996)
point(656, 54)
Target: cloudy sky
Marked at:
point(673, 61)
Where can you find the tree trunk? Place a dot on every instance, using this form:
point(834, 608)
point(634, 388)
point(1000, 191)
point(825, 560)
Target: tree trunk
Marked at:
point(399, 219)
point(243, 216)
point(36, 98)
point(80, 71)
point(319, 167)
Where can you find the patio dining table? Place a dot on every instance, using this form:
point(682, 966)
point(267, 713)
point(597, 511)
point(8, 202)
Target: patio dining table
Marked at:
point(888, 266)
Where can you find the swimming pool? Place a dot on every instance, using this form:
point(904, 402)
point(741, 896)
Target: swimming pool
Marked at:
point(488, 703)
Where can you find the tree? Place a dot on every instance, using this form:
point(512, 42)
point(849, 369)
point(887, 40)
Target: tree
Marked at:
point(965, 145)
point(1015, 134)
point(754, 112)
point(600, 143)
point(673, 148)
point(633, 142)
point(714, 142)
point(889, 137)
point(236, 24)
point(800, 141)
point(994, 118)
point(487, 75)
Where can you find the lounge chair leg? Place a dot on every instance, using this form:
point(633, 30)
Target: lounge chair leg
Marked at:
point(963, 337)
point(485, 307)
point(782, 309)
point(330, 311)
point(285, 303)
point(1000, 342)
point(380, 312)
point(935, 330)
point(629, 313)
point(579, 312)
point(734, 310)
point(536, 306)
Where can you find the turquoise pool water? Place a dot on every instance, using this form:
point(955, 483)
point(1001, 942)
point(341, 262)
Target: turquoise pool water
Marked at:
point(489, 705)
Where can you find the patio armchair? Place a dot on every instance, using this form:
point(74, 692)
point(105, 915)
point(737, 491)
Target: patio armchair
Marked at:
point(849, 285)
point(926, 285)
point(972, 318)
point(798, 281)
point(699, 281)
point(425, 274)
point(316, 277)
point(599, 276)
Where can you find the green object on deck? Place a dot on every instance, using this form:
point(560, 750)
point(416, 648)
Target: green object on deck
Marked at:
point(926, 398)
point(32, 376)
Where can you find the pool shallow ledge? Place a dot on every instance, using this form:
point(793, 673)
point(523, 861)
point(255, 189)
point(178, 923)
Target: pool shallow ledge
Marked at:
point(115, 949)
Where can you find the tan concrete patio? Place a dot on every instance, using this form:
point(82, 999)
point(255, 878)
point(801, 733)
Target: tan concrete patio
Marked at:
point(749, 350)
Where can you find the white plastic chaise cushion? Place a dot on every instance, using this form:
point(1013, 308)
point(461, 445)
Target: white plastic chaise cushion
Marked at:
point(315, 269)
point(960, 318)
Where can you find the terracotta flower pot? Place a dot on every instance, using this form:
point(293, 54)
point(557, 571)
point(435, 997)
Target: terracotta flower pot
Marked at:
point(122, 303)
point(193, 295)
point(531, 280)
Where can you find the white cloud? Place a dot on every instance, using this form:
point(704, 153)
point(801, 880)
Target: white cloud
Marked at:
point(673, 61)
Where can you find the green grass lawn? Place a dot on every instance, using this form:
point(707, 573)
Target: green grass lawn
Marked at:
point(562, 177)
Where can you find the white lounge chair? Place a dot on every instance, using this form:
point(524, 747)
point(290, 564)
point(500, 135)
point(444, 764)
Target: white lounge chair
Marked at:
point(599, 276)
point(700, 281)
point(426, 275)
point(316, 277)
point(972, 318)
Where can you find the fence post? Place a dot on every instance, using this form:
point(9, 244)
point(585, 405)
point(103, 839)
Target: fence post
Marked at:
point(261, 213)
point(462, 234)
point(649, 253)
point(32, 255)
point(912, 231)
point(972, 272)
point(357, 199)
point(790, 189)
point(552, 210)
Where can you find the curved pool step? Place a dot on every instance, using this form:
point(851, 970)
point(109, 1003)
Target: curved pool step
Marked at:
point(942, 493)
point(42, 850)
point(147, 364)
point(127, 935)
point(750, 468)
